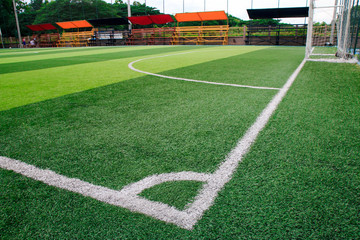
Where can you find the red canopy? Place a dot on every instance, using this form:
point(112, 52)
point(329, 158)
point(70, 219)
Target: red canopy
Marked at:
point(146, 20)
point(140, 20)
point(161, 19)
point(41, 27)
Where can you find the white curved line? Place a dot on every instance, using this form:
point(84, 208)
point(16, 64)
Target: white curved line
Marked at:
point(130, 65)
point(128, 197)
point(150, 181)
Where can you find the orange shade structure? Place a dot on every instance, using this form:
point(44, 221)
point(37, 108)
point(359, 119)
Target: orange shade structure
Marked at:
point(187, 17)
point(74, 24)
point(210, 16)
point(201, 16)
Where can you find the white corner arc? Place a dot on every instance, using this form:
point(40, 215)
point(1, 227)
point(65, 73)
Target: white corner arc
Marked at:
point(129, 197)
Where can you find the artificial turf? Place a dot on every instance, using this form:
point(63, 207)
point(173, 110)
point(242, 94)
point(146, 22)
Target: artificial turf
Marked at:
point(30, 78)
point(300, 180)
point(132, 126)
point(325, 50)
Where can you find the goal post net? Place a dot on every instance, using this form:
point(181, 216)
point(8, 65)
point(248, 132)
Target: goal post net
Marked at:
point(342, 31)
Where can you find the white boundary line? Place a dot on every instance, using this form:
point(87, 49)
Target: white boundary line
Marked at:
point(187, 79)
point(322, 54)
point(340, 60)
point(337, 60)
point(7, 53)
point(128, 197)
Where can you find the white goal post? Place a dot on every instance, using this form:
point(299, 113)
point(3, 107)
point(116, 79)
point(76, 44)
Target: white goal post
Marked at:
point(341, 21)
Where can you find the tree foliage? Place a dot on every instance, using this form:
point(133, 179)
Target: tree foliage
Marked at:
point(72, 10)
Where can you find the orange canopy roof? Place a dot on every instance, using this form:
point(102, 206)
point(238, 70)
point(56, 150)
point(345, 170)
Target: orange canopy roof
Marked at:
point(209, 16)
point(74, 24)
point(187, 17)
point(201, 16)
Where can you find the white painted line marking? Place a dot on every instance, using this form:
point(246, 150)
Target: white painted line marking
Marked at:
point(128, 197)
point(322, 54)
point(188, 79)
point(16, 52)
point(339, 60)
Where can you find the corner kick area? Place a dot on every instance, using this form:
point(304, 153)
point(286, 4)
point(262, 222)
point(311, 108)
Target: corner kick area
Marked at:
point(119, 123)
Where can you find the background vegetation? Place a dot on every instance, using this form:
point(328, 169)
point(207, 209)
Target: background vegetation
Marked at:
point(45, 11)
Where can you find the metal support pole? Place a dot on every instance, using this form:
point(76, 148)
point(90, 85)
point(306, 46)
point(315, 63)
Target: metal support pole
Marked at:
point(306, 6)
point(129, 14)
point(183, 6)
point(353, 17)
point(347, 29)
point(2, 42)
point(17, 25)
point(357, 31)
point(333, 24)
point(341, 25)
point(204, 5)
point(227, 7)
point(309, 30)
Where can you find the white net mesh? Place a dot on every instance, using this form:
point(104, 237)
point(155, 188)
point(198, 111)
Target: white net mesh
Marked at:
point(342, 31)
point(343, 27)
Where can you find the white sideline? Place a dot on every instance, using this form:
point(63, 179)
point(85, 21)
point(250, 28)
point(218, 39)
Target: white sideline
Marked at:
point(340, 60)
point(337, 60)
point(128, 197)
point(322, 54)
point(188, 79)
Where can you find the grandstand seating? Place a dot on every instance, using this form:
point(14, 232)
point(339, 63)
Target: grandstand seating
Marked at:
point(75, 39)
point(201, 35)
point(106, 37)
point(151, 36)
point(49, 40)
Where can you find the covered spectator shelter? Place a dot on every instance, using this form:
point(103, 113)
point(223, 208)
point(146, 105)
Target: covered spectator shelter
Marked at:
point(200, 35)
point(108, 22)
point(151, 36)
point(267, 13)
point(151, 19)
point(74, 24)
point(75, 39)
point(44, 39)
point(41, 27)
point(104, 36)
point(201, 16)
point(277, 35)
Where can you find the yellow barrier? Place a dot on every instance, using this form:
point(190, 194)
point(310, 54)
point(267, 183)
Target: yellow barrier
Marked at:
point(75, 39)
point(201, 35)
point(151, 36)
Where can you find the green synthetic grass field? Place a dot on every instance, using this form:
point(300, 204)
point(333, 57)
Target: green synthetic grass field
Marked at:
point(84, 114)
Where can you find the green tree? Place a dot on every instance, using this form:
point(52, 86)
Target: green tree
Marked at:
point(137, 9)
point(27, 17)
point(264, 22)
point(7, 16)
point(71, 10)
